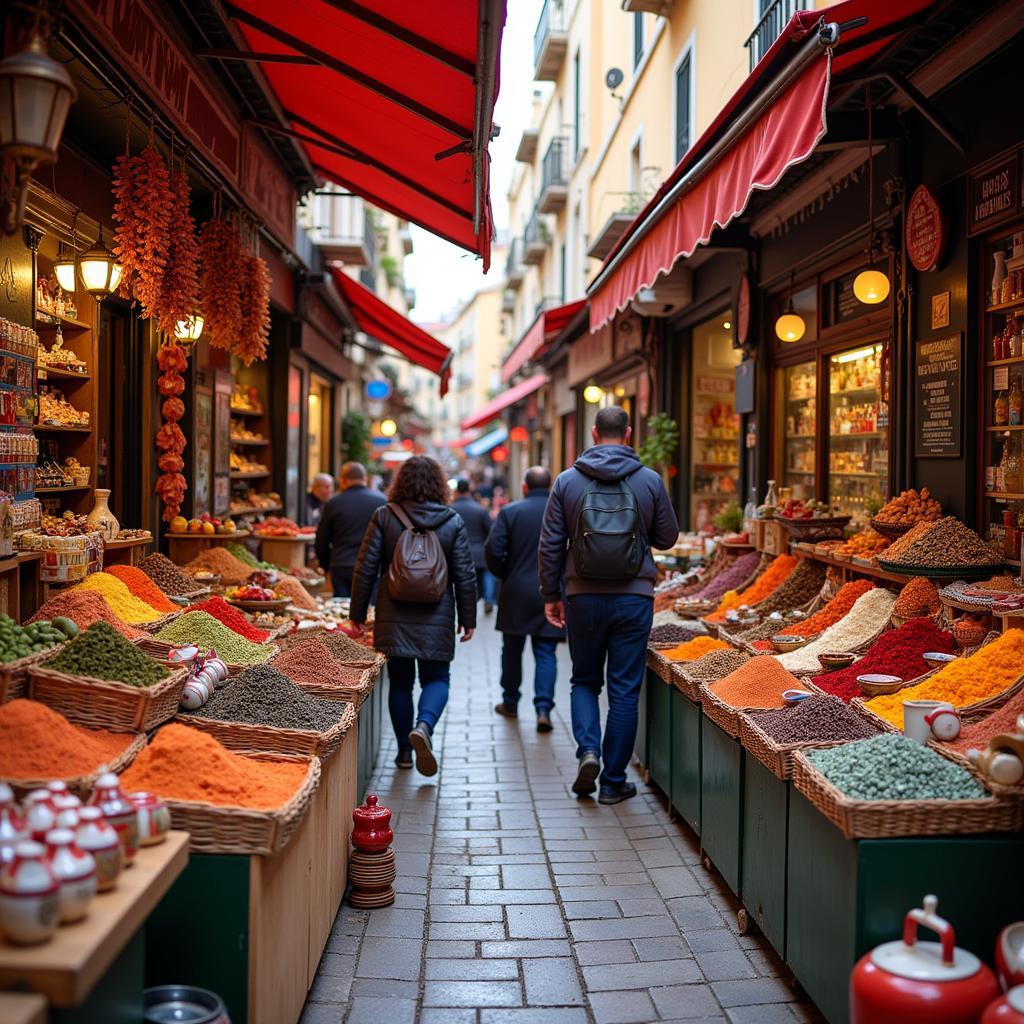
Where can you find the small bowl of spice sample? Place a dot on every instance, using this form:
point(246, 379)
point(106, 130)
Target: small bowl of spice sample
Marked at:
point(833, 661)
point(793, 697)
point(936, 659)
point(874, 685)
point(785, 644)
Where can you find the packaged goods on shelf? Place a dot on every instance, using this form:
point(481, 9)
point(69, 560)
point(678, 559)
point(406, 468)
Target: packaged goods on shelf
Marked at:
point(65, 559)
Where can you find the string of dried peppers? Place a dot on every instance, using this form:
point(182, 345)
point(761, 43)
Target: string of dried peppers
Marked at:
point(171, 485)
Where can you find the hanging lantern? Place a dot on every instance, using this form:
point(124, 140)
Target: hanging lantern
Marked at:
point(519, 434)
point(65, 268)
point(190, 329)
point(790, 327)
point(35, 95)
point(388, 428)
point(99, 270)
point(499, 454)
point(871, 286)
point(592, 394)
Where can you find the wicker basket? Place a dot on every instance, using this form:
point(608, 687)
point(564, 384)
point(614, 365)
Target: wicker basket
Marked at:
point(816, 530)
point(775, 756)
point(14, 674)
point(104, 704)
point(684, 684)
point(888, 819)
point(239, 830)
point(659, 665)
point(889, 531)
point(374, 659)
point(159, 650)
point(354, 692)
point(157, 624)
point(81, 786)
point(725, 716)
point(273, 740)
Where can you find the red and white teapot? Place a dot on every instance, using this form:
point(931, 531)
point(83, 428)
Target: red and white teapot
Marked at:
point(911, 982)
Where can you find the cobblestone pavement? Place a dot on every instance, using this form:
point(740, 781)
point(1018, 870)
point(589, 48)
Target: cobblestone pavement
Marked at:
point(520, 904)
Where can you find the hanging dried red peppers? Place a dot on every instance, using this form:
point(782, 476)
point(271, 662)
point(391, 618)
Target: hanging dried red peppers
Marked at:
point(179, 290)
point(221, 261)
point(171, 485)
point(252, 342)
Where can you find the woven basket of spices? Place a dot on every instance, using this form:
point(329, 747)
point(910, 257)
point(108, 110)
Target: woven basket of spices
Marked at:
point(684, 684)
point(369, 659)
point(158, 624)
point(106, 704)
point(775, 756)
point(243, 737)
point(891, 531)
point(659, 665)
point(889, 819)
point(14, 674)
point(82, 785)
point(725, 716)
point(238, 830)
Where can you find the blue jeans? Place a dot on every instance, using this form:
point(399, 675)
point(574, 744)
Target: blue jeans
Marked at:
point(546, 668)
point(612, 629)
point(341, 581)
point(434, 677)
point(486, 586)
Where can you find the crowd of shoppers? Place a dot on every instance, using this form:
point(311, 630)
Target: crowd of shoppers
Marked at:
point(574, 562)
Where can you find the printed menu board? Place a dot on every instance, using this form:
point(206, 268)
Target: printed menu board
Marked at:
point(938, 390)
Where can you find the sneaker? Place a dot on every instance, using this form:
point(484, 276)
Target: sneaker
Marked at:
point(616, 794)
point(426, 763)
point(544, 722)
point(488, 607)
point(506, 710)
point(404, 759)
point(586, 774)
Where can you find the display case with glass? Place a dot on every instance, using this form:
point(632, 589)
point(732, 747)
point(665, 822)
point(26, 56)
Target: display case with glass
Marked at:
point(858, 432)
point(799, 404)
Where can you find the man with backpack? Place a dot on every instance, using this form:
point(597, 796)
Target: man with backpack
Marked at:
point(601, 520)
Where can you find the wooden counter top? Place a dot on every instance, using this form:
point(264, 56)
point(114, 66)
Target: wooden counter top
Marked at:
point(22, 1008)
point(66, 969)
point(130, 542)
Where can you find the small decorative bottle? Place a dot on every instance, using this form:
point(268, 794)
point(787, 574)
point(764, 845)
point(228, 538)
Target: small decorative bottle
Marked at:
point(101, 519)
point(119, 811)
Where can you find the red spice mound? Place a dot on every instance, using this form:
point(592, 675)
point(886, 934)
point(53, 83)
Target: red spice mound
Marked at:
point(84, 607)
point(1004, 720)
point(186, 764)
point(759, 683)
point(37, 742)
point(230, 617)
point(835, 610)
point(142, 587)
point(895, 653)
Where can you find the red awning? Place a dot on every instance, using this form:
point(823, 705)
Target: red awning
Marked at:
point(393, 101)
point(377, 319)
point(548, 325)
point(785, 133)
point(503, 401)
point(461, 442)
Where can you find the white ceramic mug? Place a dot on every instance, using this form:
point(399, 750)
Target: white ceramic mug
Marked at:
point(915, 713)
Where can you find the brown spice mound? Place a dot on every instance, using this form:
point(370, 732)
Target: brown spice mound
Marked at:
point(287, 586)
point(84, 607)
point(218, 560)
point(313, 663)
point(167, 576)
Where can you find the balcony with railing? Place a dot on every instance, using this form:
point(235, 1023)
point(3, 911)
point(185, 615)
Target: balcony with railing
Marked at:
point(535, 240)
point(554, 188)
point(527, 149)
point(342, 227)
point(508, 301)
point(514, 269)
point(550, 41)
point(769, 27)
point(628, 205)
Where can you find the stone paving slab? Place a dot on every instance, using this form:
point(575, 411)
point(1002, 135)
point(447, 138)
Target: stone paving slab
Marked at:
point(521, 904)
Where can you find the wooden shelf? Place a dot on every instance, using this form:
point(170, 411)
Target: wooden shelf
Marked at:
point(860, 435)
point(45, 428)
point(255, 475)
point(1004, 495)
point(1003, 307)
point(68, 967)
point(1000, 430)
point(873, 476)
point(1012, 361)
point(872, 390)
point(55, 373)
point(62, 490)
point(252, 442)
point(45, 320)
point(864, 570)
point(247, 412)
point(719, 465)
point(211, 538)
point(252, 510)
point(800, 437)
point(131, 542)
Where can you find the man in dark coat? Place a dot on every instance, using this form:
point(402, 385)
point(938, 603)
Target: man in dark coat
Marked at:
point(512, 557)
point(342, 526)
point(608, 619)
point(478, 526)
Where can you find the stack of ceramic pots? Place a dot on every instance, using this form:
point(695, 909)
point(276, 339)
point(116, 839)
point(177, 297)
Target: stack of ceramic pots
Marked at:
point(371, 867)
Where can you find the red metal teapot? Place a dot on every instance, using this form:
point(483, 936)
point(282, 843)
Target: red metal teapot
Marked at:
point(911, 982)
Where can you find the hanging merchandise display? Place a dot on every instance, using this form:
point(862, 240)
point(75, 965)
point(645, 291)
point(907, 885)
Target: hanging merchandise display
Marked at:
point(171, 485)
point(221, 265)
point(179, 289)
point(251, 343)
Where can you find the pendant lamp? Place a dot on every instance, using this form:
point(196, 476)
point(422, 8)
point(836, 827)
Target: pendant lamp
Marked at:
point(871, 286)
point(99, 269)
point(790, 327)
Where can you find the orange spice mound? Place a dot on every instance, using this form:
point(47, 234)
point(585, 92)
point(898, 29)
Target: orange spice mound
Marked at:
point(219, 560)
point(84, 607)
point(759, 683)
point(766, 584)
point(918, 597)
point(142, 587)
point(37, 742)
point(695, 648)
point(290, 587)
point(186, 764)
point(835, 610)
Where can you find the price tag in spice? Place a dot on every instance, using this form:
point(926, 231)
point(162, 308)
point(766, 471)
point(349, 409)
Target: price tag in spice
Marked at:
point(1001, 378)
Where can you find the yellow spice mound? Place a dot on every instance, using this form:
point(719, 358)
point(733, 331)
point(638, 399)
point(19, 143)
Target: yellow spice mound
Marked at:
point(123, 603)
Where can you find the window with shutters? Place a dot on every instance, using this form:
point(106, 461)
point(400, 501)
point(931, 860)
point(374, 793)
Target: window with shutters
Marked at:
point(577, 140)
point(683, 87)
point(638, 39)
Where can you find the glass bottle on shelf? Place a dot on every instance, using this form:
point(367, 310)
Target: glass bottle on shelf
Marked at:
point(770, 498)
point(1012, 469)
point(1001, 413)
point(750, 509)
point(1015, 402)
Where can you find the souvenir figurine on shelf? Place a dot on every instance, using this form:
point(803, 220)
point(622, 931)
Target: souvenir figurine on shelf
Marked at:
point(75, 870)
point(119, 811)
point(29, 892)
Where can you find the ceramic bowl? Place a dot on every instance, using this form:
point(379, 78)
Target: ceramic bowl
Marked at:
point(784, 644)
point(833, 661)
point(793, 697)
point(875, 685)
point(936, 659)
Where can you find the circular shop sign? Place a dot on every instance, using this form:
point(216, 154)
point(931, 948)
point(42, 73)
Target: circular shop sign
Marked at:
point(926, 230)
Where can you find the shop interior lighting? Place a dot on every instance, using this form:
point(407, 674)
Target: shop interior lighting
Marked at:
point(36, 93)
point(190, 329)
point(860, 353)
point(726, 325)
point(592, 394)
point(790, 327)
point(871, 286)
point(388, 428)
point(99, 269)
point(65, 268)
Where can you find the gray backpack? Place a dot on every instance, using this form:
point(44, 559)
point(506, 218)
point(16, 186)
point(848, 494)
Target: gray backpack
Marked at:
point(418, 571)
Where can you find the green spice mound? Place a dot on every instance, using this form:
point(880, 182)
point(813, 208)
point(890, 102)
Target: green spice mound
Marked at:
point(205, 631)
point(243, 554)
point(892, 767)
point(102, 653)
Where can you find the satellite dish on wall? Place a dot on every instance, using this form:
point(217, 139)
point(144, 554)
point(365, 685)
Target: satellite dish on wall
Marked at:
point(613, 78)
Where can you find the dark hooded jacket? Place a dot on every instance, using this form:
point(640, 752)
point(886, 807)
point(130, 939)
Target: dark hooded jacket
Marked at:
point(661, 528)
point(407, 629)
point(478, 526)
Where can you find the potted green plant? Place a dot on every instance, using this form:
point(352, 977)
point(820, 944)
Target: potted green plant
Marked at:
point(660, 444)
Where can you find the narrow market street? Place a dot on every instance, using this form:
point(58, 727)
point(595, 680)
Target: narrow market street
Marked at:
point(518, 904)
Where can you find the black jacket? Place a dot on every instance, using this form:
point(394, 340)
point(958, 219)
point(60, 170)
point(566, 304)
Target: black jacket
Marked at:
point(478, 526)
point(407, 629)
point(512, 557)
point(661, 528)
point(342, 526)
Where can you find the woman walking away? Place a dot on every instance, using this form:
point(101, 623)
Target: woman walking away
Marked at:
point(420, 548)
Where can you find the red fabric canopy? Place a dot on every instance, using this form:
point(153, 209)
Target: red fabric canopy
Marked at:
point(377, 319)
point(461, 442)
point(503, 401)
point(548, 325)
point(394, 101)
point(785, 134)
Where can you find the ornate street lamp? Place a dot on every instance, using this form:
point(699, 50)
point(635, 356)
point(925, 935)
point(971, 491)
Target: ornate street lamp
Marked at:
point(99, 269)
point(190, 329)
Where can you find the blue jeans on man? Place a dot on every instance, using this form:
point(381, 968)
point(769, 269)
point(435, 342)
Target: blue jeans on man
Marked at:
point(545, 671)
point(434, 679)
point(607, 641)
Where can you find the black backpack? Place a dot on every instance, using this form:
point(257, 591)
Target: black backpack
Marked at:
point(608, 542)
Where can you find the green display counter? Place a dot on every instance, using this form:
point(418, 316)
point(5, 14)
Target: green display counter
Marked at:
point(659, 732)
point(763, 859)
point(640, 744)
point(371, 722)
point(685, 758)
point(721, 801)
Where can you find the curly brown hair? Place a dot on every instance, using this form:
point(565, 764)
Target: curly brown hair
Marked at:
point(420, 479)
